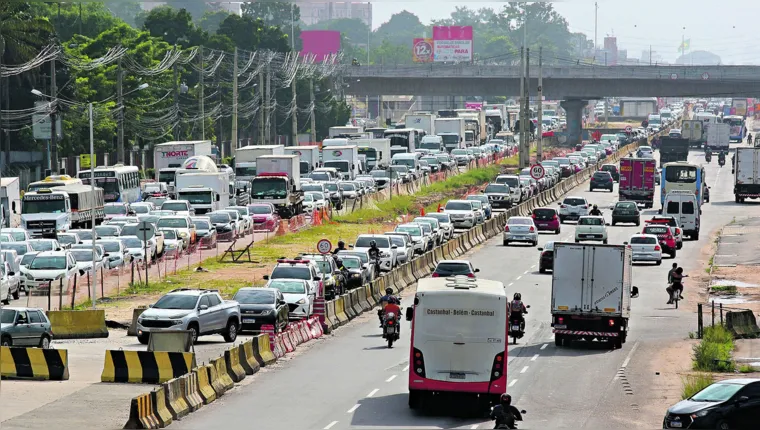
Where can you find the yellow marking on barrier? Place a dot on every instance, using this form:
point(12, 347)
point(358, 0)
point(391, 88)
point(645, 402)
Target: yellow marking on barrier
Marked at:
point(134, 367)
point(7, 366)
point(38, 362)
point(162, 411)
point(165, 371)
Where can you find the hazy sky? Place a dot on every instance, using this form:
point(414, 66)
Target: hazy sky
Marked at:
point(729, 29)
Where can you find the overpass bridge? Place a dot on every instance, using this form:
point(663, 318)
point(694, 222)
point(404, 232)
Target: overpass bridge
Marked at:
point(582, 82)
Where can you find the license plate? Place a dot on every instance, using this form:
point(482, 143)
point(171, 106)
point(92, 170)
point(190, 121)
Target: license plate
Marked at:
point(543, 224)
point(249, 320)
point(456, 375)
point(390, 330)
point(676, 424)
point(560, 326)
point(515, 328)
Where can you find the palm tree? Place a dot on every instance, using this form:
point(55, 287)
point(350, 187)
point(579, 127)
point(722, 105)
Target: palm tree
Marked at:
point(21, 33)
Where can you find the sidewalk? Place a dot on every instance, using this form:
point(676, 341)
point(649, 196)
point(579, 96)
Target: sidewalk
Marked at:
point(748, 352)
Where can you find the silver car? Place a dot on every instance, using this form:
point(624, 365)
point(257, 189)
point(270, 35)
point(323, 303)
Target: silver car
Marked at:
point(520, 229)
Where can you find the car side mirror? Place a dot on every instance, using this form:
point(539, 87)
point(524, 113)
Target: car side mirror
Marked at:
point(281, 302)
point(81, 272)
point(394, 247)
point(58, 249)
point(351, 246)
point(266, 277)
point(409, 314)
point(317, 278)
point(607, 224)
point(634, 292)
point(203, 307)
point(476, 271)
point(625, 243)
point(527, 307)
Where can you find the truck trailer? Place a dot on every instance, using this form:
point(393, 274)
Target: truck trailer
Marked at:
point(746, 174)
point(169, 156)
point(278, 181)
point(637, 180)
point(245, 159)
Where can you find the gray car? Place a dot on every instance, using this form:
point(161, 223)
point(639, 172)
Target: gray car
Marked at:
point(26, 327)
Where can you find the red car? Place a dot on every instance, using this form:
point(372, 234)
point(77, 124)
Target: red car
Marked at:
point(665, 236)
point(546, 219)
point(265, 216)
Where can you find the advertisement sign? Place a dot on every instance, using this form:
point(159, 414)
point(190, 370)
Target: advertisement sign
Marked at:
point(452, 43)
point(85, 162)
point(41, 123)
point(473, 105)
point(320, 43)
point(422, 50)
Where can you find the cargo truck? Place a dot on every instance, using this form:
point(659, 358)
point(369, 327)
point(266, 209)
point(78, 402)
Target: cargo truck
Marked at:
point(591, 293)
point(692, 130)
point(475, 120)
point(343, 158)
point(278, 181)
point(673, 149)
point(451, 131)
point(245, 159)
point(637, 180)
point(718, 137)
point(10, 201)
point(422, 121)
point(205, 191)
point(169, 156)
point(746, 174)
point(376, 151)
point(46, 212)
point(308, 156)
point(343, 130)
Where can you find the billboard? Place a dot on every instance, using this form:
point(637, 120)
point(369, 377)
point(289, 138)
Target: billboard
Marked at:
point(739, 107)
point(422, 50)
point(320, 43)
point(452, 43)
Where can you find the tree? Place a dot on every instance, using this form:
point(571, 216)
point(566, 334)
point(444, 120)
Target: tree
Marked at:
point(353, 31)
point(402, 28)
point(280, 14)
point(389, 53)
point(174, 26)
point(196, 8)
point(212, 20)
point(125, 10)
point(21, 33)
point(253, 34)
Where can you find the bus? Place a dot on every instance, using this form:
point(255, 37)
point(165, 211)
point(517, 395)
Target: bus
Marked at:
point(459, 337)
point(682, 176)
point(54, 181)
point(120, 183)
point(737, 127)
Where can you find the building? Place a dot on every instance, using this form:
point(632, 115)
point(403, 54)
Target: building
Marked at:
point(314, 12)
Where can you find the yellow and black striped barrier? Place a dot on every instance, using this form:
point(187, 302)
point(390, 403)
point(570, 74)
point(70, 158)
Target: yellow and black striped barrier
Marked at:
point(34, 363)
point(145, 367)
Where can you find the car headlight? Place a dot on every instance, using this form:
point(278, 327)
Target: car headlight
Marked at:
point(176, 322)
point(356, 275)
point(182, 234)
point(300, 302)
point(59, 276)
point(266, 312)
point(701, 413)
point(140, 320)
point(468, 216)
point(29, 276)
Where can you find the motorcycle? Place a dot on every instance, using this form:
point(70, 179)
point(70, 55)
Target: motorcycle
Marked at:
point(675, 296)
point(721, 161)
point(708, 157)
point(511, 424)
point(517, 327)
point(390, 328)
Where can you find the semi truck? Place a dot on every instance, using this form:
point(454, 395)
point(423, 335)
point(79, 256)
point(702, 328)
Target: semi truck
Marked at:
point(421, 120)
point(746, 174)
point(46, 212)
point(205, 191)
point(343, 158)
point(10, 201)
point(308, 157)
point(376, 151)
point(169, 156)
point(591, 293)
point(451, 131)
point(637, 180)
point(673, 149)
point(245, 159)
point(278, 181)
point(692, 130)
point(718, 137)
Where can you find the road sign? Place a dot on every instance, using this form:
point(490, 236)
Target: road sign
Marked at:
point(705, 76)
point(536, 171)
point(145, 231)
point(628, 129)
point(85, 162)
point(324, 246)
point(673, 76)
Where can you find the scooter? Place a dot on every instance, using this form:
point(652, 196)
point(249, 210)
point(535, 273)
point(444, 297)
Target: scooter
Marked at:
point(708, 157)
point(517, 327)
point(721, 161)
point(390, 328)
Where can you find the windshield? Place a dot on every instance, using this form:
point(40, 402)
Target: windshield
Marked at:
point(174, 206)
point(591, 221)
point(49, 263)
point(351, 263)
point(397, 240)
point(413, 231)
point(41, 245)
point(639, 240)
point(141, 209)
point(459, 206)
point(21, 248)
point(433, 161)
point(681, 174)
point(716, 393)
point(453, 269)
point(440, 217)
point(379, 174)
point(574, 201)
point(430, 145)
point(450, 139)
point(245, 171)
point(8, 316)
point(503, 189)
point(153, 219)
point(363, 242)
point(110, 246)
point(512, 181)
point(269, 187)
point(625, 205)
point(201, 225)
point(82, 255)
point(290, 272)
point(348, 187)
point(320, 176)
point(308, 198)
point(176, 301)
point(362, 255)
point(260, 209)
point(84, 235)
point(172, 223)
point(312, 187)
point(459, 152)
point(254, 297)
point(115, 210)
point(476, 204)
point(132, 242)
point(172, 234)
point(166, 177)
point(105, 231)
point(219, 218)
point(196, 197)
point(339, 165)
point(289, 287)
point(18, 235)
point(519, 221)
point(479, 198)
point(408, 162)
point(28, 257)
point(43, 206)
point(129, 230)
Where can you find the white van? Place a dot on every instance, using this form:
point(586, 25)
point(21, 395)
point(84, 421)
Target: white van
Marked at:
point(683, 206)
point(409, 160)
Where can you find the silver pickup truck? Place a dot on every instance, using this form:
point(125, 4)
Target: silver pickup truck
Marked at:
point(202, 312)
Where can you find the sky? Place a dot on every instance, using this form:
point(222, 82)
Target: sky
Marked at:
point(729, 30)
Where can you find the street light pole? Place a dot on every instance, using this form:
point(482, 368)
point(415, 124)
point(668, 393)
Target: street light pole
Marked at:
point(54, 120)
point(92, 212)
point(120, 106)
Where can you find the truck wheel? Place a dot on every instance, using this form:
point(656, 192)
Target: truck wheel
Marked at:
point(617, 343)
point(231, 332)
point(559, 340)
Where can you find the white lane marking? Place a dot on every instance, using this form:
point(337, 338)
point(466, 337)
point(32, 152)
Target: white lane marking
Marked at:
point(405, 369)
point(518, 278)
point(524, 369)
point(533, 266)
point(510, 284)
point(626, 361)
point(329, 426)
point(391, 378)
point(474, 426)
point(353, 408)
point(544, 346)
point(526, 272)
point(534, 357)
point(514, 381)
point(373, 392)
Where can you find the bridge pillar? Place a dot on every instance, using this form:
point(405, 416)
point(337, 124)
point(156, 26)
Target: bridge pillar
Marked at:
point(574, 111)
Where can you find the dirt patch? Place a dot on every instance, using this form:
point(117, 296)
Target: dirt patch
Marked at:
point(670, 364)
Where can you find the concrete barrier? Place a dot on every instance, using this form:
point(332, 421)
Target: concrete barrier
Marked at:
point(331, 320)
point(363, 298)
point(340, 310)
point(249, 358)
point(287, 341)
point(232, 362)
point(34, 363)
point(371, 302)
point(190, 391)
point(356, 305)
point(221, 373)
point(160, 407)
point(265, 349)
point(89, 324)
point(215, 379)
point(132, 330)
point(142, 413)
point(206, 391)
point(175, 398)
point(742, 324)
point(144, 367)
point(348, 305)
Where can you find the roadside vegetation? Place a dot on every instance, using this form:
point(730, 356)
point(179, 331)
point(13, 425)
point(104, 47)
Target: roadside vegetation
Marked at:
point(713, 352)
point(692, 384)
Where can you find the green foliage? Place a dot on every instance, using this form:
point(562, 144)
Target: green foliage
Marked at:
point(713, 352)
point(692, 384)
point(746, 368)
point(273, 13)
point(22, 32)
point(175, 26)
point(726, 289)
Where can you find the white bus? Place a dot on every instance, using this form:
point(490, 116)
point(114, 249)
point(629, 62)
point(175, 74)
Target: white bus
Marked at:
point(682, 176)
point(54, 181)
point(120, 183)
point(459, 341)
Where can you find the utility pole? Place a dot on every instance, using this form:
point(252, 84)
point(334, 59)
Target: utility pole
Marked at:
point(294, 116)
point(267, 106)
point(200, 99)
point(120, 105)
point(522, 105)
point(234, 137)
point(54, 120)
point(526, 146)
point(176, 95)
point(261, 109)
point(650, 55)
point(596, 22)
point(312, 120)
point(540, 124)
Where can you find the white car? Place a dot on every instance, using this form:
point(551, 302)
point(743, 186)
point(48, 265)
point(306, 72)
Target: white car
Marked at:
point(591, 228)
point(462, 213)
point(572, 208)
point(142, 208)
point(245, 216)
point(50, 268)
point(83, 258)
point(309, 203)
point(68, 239)
point(520, 229)
point(303, 270)
point(646, 247)
point(404, 246)
point(237, 221)
point(182, 224)
point(419, 240)
point(516, 191)
point(444, 221)
point(387, 250)
point(298, 295)
point(116, 256)
point(180, 207)
point(437, 232)
point(137, 248)
point(85, 235)
point(173, 244)
point(40, 245)
point(108, 230)
point(19, 234)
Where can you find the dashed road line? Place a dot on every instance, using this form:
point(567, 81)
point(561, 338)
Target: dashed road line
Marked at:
point(534, 357)
point(524, 369)
point(526, 272)
point(510, 284)
point(474, 426)
point(544, 346)
point(373, 392)
point(391, 378)
point(518, 278)
point(353, 408)
point(626, 361)
point(329, 426)
point(405, 368)
point(514, 381)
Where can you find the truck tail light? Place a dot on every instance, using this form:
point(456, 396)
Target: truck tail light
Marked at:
point(612, 322)
point(497, 369)
point(419, 362)
point(560, 320)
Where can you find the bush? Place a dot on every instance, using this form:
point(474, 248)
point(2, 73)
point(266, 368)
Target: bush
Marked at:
point(713, 352)
point(692, 384)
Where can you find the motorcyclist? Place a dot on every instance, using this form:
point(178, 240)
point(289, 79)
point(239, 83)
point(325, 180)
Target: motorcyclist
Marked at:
point(387, 299)
point(595, 211)
point(341, 247)
point(504, 413)
point(374, 254)
point(722, 158)
point(517, 308)
point(677, 284)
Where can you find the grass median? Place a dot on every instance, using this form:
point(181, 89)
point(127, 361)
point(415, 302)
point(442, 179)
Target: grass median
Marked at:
point(713, 352)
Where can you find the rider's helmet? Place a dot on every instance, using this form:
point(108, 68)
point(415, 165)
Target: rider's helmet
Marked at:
point(517, 296)
point(505, 399)
point(372, 243)
point(596, 207)
point(341, 244)
point(389, 291)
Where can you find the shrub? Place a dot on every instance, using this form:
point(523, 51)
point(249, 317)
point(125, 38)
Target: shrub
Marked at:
point(692, 384)
point(713, 352)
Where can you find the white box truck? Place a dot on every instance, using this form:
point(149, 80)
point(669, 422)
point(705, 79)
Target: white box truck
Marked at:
point(170, 156)
point(278, 181)
point(340, 130)
point(245, 159)
point(422, 121)
point(205, 191)
point(10, 202)
point(591, 293)
point(718, 137)
point(451, 131)
point(376, 151)
point(746, 174)
point(308, 156)
point(343, 158)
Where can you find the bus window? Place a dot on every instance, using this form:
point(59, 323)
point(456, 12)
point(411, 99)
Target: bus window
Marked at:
point(681, 174)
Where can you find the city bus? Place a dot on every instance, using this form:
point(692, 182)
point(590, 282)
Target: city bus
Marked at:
point(459, 337)
point(737, 127)
point(682, 176)
point(54, 181)
point(120, 183)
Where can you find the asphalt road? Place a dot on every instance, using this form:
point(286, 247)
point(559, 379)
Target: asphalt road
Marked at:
point(352, 380)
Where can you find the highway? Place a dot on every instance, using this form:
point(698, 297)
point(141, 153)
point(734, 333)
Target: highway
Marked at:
point(352, 380)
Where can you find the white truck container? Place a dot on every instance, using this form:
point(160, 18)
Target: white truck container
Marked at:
point(344, 129)
point(10, 202)
point(205, 191)
point(447, 128)
point(423, 121)
point(169, 156)
point(245, 159)
point(278, 181)
point(376, 151)
point(746, 174)
point(343, 158)
point(718, 137)
point(335, 142)
point(692, 129)
point(591, 292)
point(308, 156)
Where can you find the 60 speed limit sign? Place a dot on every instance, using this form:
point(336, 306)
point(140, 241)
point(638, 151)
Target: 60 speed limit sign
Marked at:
point(536, 171)
point(324, 246)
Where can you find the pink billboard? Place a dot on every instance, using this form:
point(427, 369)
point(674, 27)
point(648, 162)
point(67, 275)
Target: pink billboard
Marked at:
point(320, 43)
point(452, 43)
point(473, 105)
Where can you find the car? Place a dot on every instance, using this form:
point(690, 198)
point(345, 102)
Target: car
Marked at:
point(50, 267)
point(530, 186)
point(665, 236)
point(627, 212)
point(68, 239)
point(612, 170)
point(601, 179)
point(349, 190)
point(156, 243)
point(332, 283)
point(591, 227)
point(674, 225)
point(21, 248)
point(142, 208)
point(354, 271)
point(298, 294)
point(25, 327)
point(403, 242)
point(309, 204)
point(10, 275)
point(224, 225)
point(201, 312)
point(444, 221)
point(204, 231)
point(84, 257)
point(117, 254)
point(461, 156)
point(484, 202)
point(40, 245)
point(157, 200)
point(108, 230)
point(262, 306)
point(116, 209)
point(265, 216)
point(245, 216)
point(645, 152)
point(6, 238)
point(446, 268)
point(298, 268)
point(436, 231)
point(546, 258)
point(547, 219)
point(419, 239)
point(121, 220)
point(180, 207)
point(726, 404)
point(498, 195)
point(19, 234)
point(237, 220)
point(645, 247)
point(572, 208)
point(173, 244)
point(427, 232)
point(387, 250)
point(516, 190)
point(183, 224)
point(365, 267)
point(137, 248)
point(520, 229)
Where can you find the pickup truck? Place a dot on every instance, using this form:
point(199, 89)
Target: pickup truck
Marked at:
point(202, 312)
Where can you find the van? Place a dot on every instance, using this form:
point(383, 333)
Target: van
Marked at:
point(411, 161)
point(683, 206)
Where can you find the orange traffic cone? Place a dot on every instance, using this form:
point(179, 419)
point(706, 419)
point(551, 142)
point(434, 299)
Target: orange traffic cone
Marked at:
point(316, 218)
point(439, 207)
point(326, 215)
point(281, 230)
point(422, 211)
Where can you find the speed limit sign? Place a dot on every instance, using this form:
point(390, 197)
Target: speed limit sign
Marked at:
point(536, 171)
point(628, 129)
point(324, 246)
